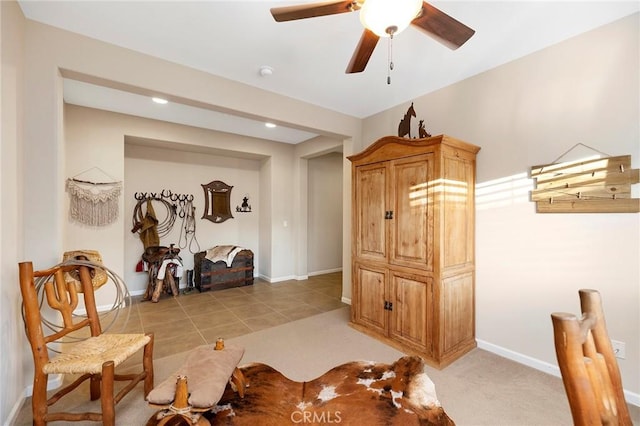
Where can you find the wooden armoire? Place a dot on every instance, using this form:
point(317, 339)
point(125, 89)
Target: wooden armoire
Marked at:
point(413, 261)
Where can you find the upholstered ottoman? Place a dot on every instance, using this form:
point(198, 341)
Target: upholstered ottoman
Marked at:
point(198, 384)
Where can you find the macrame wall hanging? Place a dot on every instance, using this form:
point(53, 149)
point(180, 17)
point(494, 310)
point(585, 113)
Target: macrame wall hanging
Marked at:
point(93, 203)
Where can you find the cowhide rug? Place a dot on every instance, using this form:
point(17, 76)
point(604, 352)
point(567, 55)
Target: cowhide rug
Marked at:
point(356, 393)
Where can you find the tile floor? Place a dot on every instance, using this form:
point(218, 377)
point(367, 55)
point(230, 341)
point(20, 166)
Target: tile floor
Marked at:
point(194, 319)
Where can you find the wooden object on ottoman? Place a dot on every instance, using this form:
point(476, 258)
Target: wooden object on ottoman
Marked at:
point(198, 385)
point(210, 275)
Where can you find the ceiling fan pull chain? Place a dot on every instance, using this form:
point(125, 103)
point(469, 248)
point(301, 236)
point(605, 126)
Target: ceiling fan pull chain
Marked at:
point(390, 53)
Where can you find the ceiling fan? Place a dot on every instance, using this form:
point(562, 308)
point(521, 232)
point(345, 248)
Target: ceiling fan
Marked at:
point(383, 18)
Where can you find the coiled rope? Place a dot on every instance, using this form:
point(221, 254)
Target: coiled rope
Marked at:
point(166, 224)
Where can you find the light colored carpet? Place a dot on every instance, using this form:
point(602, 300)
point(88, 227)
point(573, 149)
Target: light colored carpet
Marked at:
point(479, 389)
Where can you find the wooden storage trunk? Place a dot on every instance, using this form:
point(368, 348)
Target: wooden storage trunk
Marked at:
point(217, 276)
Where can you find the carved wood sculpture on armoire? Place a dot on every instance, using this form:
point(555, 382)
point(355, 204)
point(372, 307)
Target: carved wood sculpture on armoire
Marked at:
point(413, 260)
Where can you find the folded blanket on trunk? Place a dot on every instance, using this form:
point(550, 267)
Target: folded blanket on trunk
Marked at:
point(223, 254)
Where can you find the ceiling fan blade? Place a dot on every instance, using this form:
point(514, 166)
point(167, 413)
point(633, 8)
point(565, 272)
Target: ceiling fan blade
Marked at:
point(363, 52)
point(448, 30)
point(302, 11)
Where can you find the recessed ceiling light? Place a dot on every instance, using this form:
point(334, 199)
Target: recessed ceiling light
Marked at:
point(159, 100)
point(270, 125)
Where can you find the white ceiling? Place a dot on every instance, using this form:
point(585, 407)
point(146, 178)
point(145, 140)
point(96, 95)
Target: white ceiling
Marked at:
point(233, 39)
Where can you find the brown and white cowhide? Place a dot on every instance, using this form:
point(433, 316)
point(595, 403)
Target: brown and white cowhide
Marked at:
point(356, 393)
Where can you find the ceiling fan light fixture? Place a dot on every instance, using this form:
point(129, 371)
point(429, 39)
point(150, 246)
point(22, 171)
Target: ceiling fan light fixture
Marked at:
point(386, 18)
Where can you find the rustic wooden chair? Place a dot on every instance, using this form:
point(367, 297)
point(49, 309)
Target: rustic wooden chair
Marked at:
point(588, 365)
point(93, 357)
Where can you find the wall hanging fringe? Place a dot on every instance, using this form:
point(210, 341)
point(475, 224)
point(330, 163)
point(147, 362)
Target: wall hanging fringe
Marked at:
point(94, 204)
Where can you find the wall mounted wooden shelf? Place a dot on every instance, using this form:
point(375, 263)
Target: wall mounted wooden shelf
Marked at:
point(601, 185)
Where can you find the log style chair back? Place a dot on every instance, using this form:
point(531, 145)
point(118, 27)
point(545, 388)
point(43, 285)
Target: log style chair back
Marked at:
point(588, 365)
point(93, 358)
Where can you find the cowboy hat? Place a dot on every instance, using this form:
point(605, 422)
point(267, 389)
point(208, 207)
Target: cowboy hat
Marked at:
point(98, 275)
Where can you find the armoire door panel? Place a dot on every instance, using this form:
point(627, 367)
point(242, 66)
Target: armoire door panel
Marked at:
point(412, 223)
point(457, 311)
point(370, 297)
point(371, 208)
point(411, 318)
point(458, 210)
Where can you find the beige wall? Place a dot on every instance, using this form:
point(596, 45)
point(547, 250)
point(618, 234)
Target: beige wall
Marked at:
point(324, 248)
point(304, 152)
point(529, 112)
point(14, 351)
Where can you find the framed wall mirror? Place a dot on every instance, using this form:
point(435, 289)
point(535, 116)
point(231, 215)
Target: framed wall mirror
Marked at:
point(217, 201)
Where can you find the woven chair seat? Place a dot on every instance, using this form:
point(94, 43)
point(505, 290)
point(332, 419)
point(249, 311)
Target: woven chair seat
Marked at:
point(88, 355)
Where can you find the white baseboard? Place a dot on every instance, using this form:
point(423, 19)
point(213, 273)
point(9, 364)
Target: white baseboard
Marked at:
point(278, 279)
point(326, 271)
point(346, 300)
point(54, 382)
point(12, 418)
point(631, 397)
point(297, 277)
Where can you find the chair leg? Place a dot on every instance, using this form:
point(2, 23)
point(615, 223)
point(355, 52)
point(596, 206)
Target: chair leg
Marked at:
point(94, 387)
point(147, 365)
point(107, 401)
point(39, 398)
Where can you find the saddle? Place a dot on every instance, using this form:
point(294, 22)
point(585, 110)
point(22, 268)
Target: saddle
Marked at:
point(158, 258)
